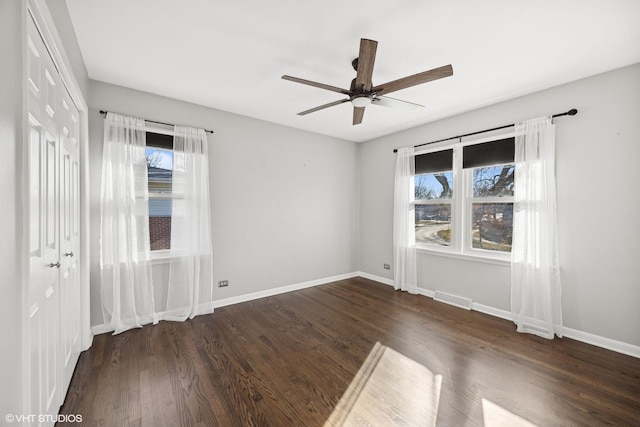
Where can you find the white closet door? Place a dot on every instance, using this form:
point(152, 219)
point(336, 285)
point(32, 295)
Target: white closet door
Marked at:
point(54, 304)
point(43, 233)
point(70, 326)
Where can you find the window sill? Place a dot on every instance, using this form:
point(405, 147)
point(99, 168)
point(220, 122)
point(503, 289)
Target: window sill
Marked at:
point(160, 257)
point(505, 262)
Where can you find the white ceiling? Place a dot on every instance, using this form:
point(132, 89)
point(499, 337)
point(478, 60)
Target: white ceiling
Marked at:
point(230, 55)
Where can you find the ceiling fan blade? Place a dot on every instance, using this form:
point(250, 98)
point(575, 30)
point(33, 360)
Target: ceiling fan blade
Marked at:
point(414, 80)
point(316, 84)
point(358, 114)
point(387, 101)
point(366, 59)
point(322, 107)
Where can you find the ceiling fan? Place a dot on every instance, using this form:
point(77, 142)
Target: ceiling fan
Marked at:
point(362, 91)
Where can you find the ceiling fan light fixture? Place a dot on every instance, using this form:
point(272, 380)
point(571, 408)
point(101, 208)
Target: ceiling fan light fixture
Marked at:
point(361, 101)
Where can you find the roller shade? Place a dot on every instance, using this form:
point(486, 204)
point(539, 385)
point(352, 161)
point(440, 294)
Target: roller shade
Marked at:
point(488, 153)
point(159, 140)
point(438, 161)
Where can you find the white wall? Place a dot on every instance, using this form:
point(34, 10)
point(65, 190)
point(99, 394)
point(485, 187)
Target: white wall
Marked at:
point(284, 201)
point(598, 203)
point(60, 15)
point(11, 269)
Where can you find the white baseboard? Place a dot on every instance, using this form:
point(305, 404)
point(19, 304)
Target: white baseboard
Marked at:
point(281, 290)
point(375, 278)
point(104, 328)
point(426, 292)
point(496, 312)
point(607, 343)
point(585, 337)
point(391, 282)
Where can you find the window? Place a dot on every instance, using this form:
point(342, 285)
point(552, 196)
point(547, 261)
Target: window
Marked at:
point(159, 177)
point(434, 204)
point(492, 207)
point(464, 198)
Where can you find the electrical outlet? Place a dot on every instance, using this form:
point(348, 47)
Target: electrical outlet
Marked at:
point(223, 283)
point(387, 267)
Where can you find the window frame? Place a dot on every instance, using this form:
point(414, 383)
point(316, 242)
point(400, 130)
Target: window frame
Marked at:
point(461, 207)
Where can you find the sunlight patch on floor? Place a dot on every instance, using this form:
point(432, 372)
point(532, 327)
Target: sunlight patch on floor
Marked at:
point(496, 416)
point(389, 389)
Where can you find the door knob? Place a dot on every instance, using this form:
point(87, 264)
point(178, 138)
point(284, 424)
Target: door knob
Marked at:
point(69, 254)
point(56, 265)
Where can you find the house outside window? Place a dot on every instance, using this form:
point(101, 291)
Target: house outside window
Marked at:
point(159, 176)
point(464, 198)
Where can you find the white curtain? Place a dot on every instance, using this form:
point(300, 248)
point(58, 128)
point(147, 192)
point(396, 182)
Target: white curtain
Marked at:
point(190, 285)
point(535, 274)
point(404, 252)
point(125, 270)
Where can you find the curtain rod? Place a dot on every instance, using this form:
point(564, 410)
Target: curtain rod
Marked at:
point(154, 121)
point(571, 112)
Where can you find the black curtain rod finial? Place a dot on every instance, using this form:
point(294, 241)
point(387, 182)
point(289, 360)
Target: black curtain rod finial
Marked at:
point(571, 112)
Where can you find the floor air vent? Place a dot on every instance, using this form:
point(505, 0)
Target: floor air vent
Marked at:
point(453, 300)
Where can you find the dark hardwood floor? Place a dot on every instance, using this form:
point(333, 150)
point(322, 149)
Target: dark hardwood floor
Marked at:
point(286, 360)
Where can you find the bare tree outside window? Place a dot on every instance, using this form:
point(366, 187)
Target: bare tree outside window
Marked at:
point(492, 227)
point(154, 159)
point(493, 181)
point(433, 193)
